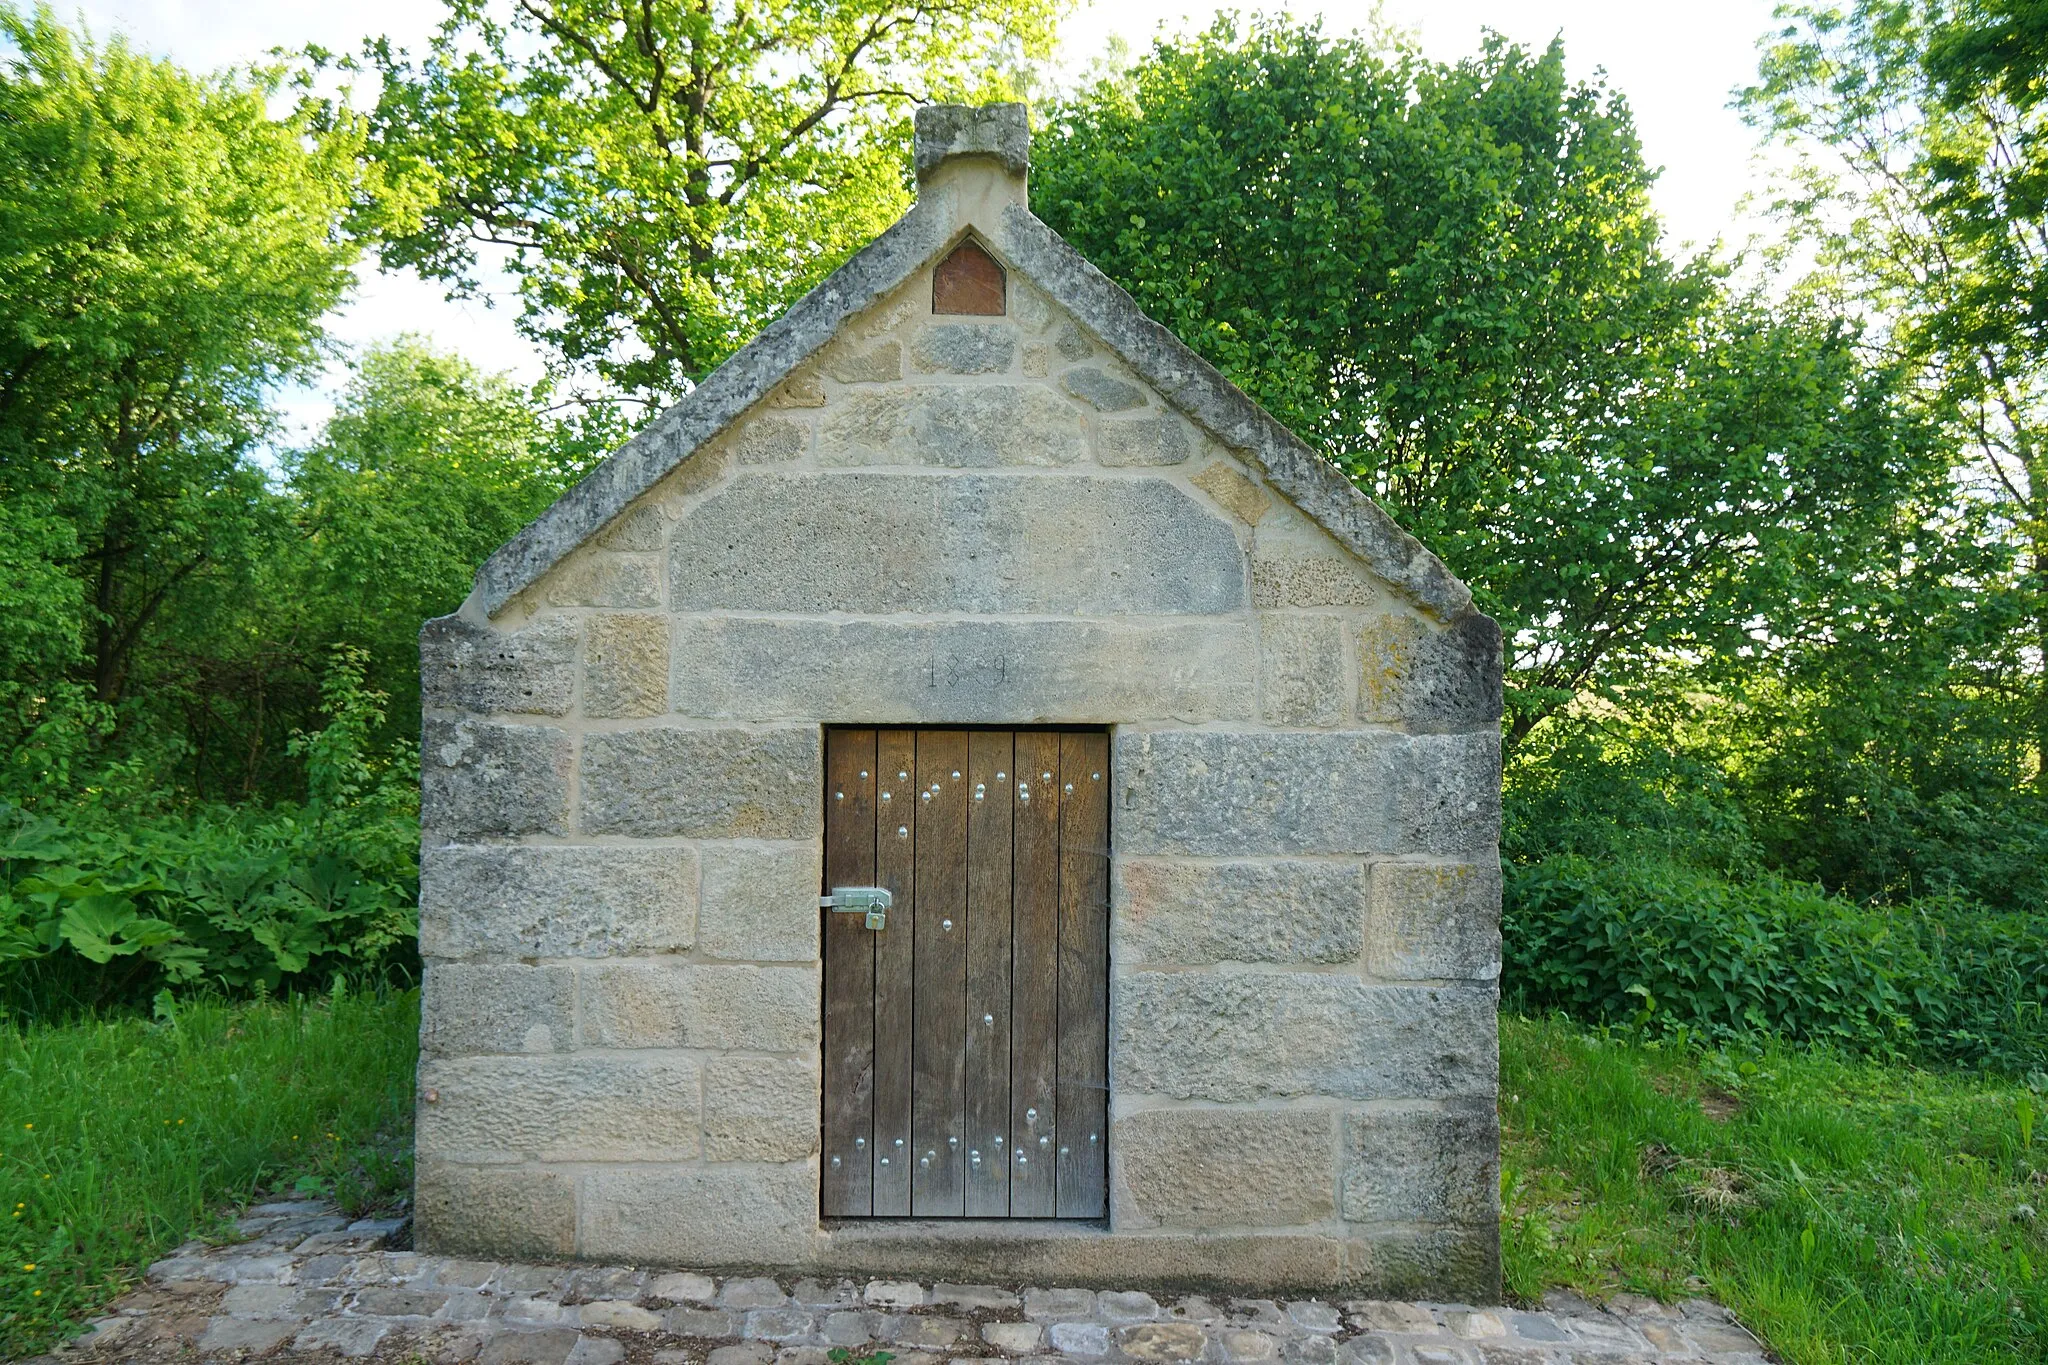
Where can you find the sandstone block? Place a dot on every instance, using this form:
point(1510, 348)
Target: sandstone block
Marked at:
point(1102, 391)
point(1209, 1168)
point(1195, 914)
point(720, 1215)
point(643, 528)
point(654, 1004)
point(801, 390)
point(467, 667)
point(1434, 921)
point(555, 901)
point(964, 347)
point(480, 778)
point(770, 440)
point(1230, 793)
point(1415, 674)
point(708, 784)
point(982, 427)
point(1289, 577)
point(966, 671)
point(870, 543)
point(1438, 1263)
point(1235, 1036)
point(1301, 670)
point(1141, 441)
point(1234, 492)
point(493, 1210)
point(760, 1108)
point(595, 579)
point(1450, 797)
point(878, 364)
point(468, 1008)
point(1423, 1165)
point(761, 903)
point(560, 1108)
point(626, 665)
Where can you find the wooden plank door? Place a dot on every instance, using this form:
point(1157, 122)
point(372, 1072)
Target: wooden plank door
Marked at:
point(966, 1043)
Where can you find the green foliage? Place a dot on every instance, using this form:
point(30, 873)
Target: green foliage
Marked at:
point(1846, 1210)
point(1683, 949)
point(1449, 278)
point(112, 900)
point(668, 178)
point(121, 1137)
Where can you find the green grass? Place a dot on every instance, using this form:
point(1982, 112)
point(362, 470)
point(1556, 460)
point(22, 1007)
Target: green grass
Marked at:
point(1846, 1210)
point(121, 1137)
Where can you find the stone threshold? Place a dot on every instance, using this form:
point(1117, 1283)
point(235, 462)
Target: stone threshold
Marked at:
point(311, 1285)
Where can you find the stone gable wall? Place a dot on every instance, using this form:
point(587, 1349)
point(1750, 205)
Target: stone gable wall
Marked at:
point(939, 520)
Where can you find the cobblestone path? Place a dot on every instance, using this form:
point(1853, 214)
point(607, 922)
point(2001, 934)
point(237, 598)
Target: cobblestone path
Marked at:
point(310, 1285)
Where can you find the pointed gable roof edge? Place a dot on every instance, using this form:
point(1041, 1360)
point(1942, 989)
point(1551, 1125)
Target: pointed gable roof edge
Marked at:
point(1194, 386)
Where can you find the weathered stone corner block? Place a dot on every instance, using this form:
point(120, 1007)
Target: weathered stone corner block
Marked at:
point(499, 901)
point(705, 784)
point(481, 779)
point(467, 667)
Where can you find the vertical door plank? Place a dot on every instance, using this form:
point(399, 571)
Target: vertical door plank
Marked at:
point(846, 1186)
point(896, 809)
point(938, 1095)
point(1034, 1025)
point(1084, 974)
point(988, 968)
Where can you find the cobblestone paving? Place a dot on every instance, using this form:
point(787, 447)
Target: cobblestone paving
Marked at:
point(310, 1285)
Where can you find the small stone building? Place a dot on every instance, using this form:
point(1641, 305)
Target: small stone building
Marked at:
point(967, 588)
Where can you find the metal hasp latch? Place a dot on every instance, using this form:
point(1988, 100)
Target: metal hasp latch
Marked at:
point(872, 901)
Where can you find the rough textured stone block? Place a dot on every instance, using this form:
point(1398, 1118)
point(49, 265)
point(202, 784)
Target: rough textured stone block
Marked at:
point(643, 528)
point(1415, 674)
point(1438, 1263)
point(964, 347)
point(878, 364)
point(1073, 343)
point(1223, 1168)
point(978, 427)
point(560, 1108)
point(1024, 544)
point(465, 667)
point(656, 1004)
point(760, 1108)
point(736, 668)
point(1234, 792)
point(1194, 914)
point(761, 902)
point(770, 440)
point(473, 1008)
point(493, 1211)
point(479, 778)
point(1450, 798)
point(594, 579)
point(707, 784)
point(720, 1215)
point(1430, 921)
point(1290, 577)
point(1301, 670)
point(1101, 391)
point(1141, 441)
point(1238, 1035)
point(626, 666)
point(1422, 1165)
point(555, 901)
point(1234, 492)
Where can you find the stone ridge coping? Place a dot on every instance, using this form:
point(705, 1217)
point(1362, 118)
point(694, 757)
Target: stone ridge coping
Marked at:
point(1184, 379)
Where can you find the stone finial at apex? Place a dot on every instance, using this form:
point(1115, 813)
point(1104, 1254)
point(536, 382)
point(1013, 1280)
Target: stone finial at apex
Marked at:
point(1000, 131)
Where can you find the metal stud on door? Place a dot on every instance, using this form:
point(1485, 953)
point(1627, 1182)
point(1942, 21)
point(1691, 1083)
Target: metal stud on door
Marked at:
point(966, 973)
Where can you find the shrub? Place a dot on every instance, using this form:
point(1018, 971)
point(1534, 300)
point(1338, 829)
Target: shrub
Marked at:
point(108, 901)
point(1678, 948)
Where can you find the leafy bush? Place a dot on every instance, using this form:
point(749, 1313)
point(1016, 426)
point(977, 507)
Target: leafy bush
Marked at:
point(109, 901)
point(1675, 947)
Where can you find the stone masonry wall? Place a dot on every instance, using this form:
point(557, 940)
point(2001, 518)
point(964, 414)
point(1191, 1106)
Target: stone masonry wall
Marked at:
point(964, 520)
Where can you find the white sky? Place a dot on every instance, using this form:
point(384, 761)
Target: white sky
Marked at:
point(1677, 63)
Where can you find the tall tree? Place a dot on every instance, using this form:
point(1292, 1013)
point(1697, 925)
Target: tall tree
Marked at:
point(1449, 277)
point(664, 178)
point(1918, 176)
point(167, 249)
